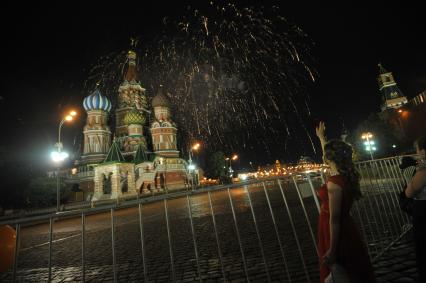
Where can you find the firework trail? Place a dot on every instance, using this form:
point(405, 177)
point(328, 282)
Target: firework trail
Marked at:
point(236, 77)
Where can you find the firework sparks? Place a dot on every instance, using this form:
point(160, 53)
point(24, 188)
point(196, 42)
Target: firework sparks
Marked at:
point(234, 76)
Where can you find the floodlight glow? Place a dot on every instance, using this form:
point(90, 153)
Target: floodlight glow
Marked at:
point(73, 113)
point(394, 146)
point(243, 177)
point(68, 118)
point(191, 167)
point(58, 156)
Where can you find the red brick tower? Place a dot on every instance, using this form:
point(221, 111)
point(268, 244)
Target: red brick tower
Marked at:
point(131, 96)
point(163, 129)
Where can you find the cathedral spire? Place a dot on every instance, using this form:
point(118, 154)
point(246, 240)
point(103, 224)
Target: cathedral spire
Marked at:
point(114, 154)
point(131, 74)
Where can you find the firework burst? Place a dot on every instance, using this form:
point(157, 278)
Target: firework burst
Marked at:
point(236, 77)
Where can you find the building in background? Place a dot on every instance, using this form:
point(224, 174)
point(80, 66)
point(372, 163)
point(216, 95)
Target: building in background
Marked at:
point(127, 166)
point(392, 96)
point(401, 114)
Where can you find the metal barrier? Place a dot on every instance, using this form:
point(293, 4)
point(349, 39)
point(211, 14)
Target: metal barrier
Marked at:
point(264, 230)
point(378, 213)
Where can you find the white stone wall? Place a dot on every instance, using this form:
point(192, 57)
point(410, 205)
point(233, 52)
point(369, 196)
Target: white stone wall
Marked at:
point(117, 170)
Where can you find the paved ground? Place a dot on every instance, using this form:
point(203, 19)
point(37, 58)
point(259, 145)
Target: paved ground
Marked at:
point(398, 265)
point(291, 255)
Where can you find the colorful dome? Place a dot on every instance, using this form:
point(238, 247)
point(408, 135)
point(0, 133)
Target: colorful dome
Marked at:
point(160, 99)
point(134, 117)
point(96, 101)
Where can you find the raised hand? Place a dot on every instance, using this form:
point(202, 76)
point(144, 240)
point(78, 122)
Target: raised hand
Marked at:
point(320, 131)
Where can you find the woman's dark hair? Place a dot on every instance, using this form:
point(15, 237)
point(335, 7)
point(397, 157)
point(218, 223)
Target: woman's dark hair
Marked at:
point(340, 153)
point(420, 143)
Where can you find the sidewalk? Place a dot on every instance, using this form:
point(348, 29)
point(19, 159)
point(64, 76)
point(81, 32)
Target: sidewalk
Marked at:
point(399, 263)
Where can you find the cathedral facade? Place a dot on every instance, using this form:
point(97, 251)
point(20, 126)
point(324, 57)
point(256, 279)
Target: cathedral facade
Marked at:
point(119, 163)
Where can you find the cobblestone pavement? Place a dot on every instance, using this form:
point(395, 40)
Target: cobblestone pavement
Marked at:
point(215, 262)
point(398, 265)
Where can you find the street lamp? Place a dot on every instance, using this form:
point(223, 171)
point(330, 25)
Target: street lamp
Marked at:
point(369, 143)
point(251, 164)
point(234, 157)
point(59, 156)
point(190, 152)
point(191, 167)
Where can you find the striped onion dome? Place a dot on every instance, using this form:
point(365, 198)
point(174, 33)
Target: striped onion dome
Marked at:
point(160, 99)
point(96, 101)
point(134, 117)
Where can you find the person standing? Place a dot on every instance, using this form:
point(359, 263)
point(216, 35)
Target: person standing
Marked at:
point(339, 239)
point(416, 189)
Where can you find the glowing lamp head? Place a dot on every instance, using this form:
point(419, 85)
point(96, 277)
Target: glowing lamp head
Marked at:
point(367, 136)
point(73, 113)
point(196, 146)
point(68, 118)
point(59, 156)
point(191, 167)
point(235, 157)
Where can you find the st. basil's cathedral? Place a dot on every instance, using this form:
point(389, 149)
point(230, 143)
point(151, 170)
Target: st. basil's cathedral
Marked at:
point(120, 165)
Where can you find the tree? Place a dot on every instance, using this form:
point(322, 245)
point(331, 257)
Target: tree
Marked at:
point(216, 167)
point(41, 192)
point(383, 135)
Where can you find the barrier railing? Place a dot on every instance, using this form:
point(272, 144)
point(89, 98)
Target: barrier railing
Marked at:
point(264, 230)
point(380, 217)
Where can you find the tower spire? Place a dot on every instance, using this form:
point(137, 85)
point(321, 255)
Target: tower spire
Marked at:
point(382, 70)
point(392, 96)
point(131, 74)
point(114, 153)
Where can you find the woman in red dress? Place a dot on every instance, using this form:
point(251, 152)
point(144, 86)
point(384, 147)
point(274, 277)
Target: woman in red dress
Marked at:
point(339, 239)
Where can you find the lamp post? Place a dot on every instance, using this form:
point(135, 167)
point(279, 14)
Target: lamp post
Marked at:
point(251, 164)
point(234, 157)
point(403, 115)
point(190, 151)
point(369, 143)
point(59, 155)
point(191, 167)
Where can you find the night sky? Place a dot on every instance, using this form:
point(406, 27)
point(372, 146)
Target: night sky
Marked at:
point(49, 48)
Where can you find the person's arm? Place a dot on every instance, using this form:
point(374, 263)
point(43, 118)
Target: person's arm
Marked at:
point(320, 131)
point(335, 195)
point(418, 182)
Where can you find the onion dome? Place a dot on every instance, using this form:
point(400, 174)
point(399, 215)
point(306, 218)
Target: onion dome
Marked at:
point(96, 101)
point(160, 99)
point(134, 117)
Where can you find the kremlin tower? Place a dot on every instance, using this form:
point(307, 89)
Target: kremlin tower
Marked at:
point(97, 134)
point(392, 96)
